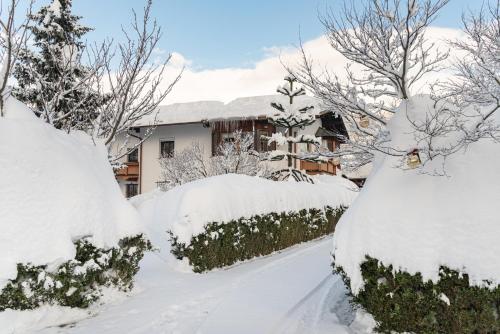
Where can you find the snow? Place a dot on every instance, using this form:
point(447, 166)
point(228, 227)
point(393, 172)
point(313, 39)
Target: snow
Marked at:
point(267, 295)
point(57, 188)
point(271, 294)
point(241, 108)
point(188, 208)
point(280, 139)
point(418, 221)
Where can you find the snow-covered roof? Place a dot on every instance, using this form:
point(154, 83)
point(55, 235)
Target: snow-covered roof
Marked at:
point(241, 108)
point(360, 173)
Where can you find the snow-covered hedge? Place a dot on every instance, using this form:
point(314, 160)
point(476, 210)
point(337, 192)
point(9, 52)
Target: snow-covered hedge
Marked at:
point(430, 240)
point(77, 282)
point(225, 243)
point(63, 218)
point(234, 217)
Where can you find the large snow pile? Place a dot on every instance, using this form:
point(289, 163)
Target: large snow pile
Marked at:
point(56, 188)
point(418, 221)
point(185, 210)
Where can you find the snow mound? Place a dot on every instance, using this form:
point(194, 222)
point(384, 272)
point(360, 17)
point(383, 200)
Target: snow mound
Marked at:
point(56, 188)
point(185, 210)
point(418, 222)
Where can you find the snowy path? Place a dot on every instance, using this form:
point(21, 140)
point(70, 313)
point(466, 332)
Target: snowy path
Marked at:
point(288, 292)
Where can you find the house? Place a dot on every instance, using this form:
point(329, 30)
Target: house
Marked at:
point(177, 126)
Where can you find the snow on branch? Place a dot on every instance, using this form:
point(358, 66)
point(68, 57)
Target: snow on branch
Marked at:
point(135, 88)
point(193, 163)
point(280, 139)
point(477, 83)
point(13, 38)
point(386, 40)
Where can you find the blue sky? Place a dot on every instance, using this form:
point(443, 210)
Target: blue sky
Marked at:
point(229, 33)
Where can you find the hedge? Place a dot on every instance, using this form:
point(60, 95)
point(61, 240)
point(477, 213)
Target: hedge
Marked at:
point(223, 244)
point(401, 302)
point(78, 282)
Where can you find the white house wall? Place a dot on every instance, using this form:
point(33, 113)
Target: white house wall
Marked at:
point(183, 136)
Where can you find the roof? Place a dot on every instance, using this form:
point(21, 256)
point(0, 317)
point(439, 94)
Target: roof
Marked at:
point(322, 132)
point(242, 108)
point(360, 173)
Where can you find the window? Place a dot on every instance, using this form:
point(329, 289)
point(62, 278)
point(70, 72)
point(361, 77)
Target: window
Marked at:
point(227, 138)
point(132, 189)
point(263, 143)
point(133, 156)
point(167, 148)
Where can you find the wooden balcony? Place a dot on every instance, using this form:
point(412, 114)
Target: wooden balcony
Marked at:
point(128, 173)
point(314, 168)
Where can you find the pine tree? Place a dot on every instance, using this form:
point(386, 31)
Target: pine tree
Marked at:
point(51, 78)
point(289, 118)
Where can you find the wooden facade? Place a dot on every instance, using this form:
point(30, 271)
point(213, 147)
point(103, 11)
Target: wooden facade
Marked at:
point(222, 130)
point(313, 168)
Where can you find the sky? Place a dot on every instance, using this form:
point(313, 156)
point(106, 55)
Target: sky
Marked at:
point(235, 48)
point(230, 33)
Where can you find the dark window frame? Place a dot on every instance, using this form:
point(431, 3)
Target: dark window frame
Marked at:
point(262, 144)
point(133, 156)
point(131, 189)
point(171, 149)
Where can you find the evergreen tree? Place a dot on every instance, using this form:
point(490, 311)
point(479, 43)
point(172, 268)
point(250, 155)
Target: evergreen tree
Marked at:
point(288, 118)
point(51, 78)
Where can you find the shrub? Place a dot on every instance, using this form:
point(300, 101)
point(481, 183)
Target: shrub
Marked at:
point(78, 282)
point(223, 244)
point(401, 302)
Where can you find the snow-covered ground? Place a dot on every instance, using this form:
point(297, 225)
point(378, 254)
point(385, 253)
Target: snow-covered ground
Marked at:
point(290, 292)
point(293, 291)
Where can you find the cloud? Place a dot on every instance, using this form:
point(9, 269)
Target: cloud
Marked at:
point(226, 84)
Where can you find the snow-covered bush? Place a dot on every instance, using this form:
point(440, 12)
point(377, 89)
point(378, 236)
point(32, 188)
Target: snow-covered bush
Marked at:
point(404, 302)
point(420, 251)
point(253, 214)
point(66, 228)
point(225, 243)
point(233, 157)
point(77, 282)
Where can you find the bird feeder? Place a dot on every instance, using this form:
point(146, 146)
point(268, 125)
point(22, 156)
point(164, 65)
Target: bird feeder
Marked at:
point(413, 159)
point(364, 121)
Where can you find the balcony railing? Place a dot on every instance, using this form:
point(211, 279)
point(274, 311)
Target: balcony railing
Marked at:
point(129, 172)
point(318, 168)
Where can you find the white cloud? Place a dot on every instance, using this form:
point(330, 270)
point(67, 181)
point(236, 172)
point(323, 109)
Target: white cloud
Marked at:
point(226, 84)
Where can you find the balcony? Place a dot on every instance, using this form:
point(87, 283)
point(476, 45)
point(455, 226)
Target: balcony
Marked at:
point(130, 172)
point(313, 168)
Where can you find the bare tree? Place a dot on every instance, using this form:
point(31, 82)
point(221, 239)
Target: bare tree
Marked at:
point(134, 89)
point(465, 105)
point(13, 38)
point(233, 157)
point(386, 39)
point(237, 156)
point(184, 166)
point(476, 87)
